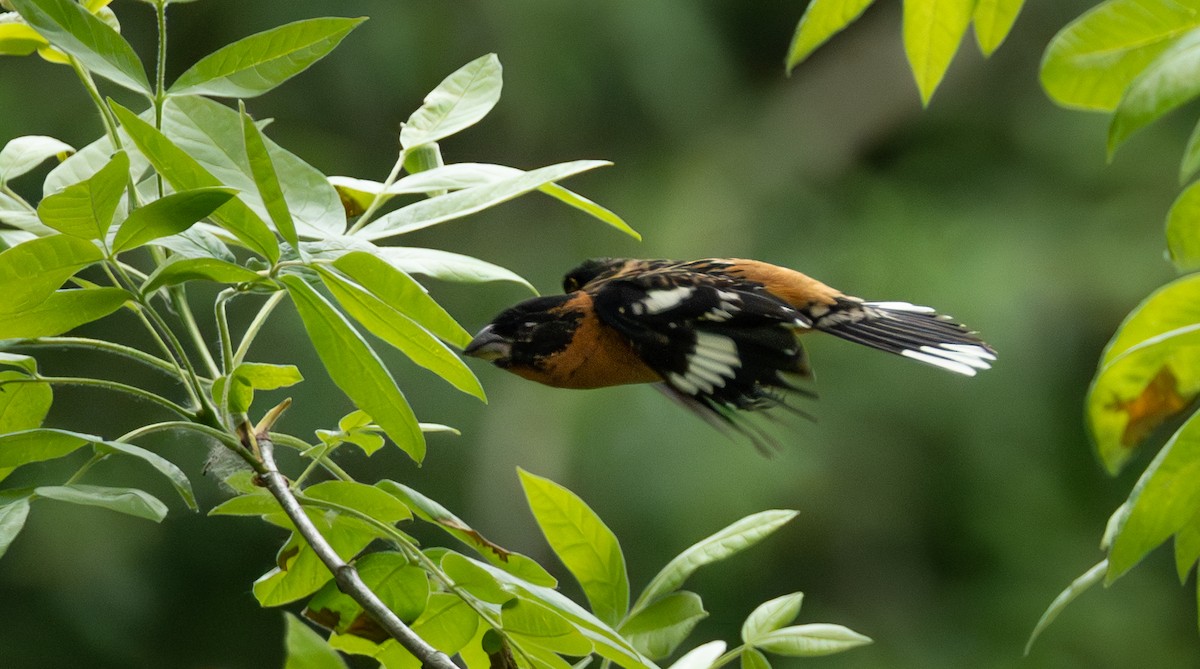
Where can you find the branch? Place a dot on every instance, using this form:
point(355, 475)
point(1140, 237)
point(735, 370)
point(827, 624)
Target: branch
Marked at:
point(344, 574)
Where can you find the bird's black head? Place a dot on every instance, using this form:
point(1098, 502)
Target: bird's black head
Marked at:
point(590, 270)
point(527, 333)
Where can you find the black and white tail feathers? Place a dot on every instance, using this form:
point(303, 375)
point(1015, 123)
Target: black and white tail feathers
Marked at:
point(905, 329)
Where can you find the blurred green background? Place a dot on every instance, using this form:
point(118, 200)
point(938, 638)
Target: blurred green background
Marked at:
point(939, 515)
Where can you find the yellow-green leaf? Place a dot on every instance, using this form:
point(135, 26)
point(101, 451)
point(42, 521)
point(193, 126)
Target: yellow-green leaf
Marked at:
point(821, 20)
point(933, 30)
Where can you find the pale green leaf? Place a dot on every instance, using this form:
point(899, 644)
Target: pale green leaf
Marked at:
point(1170, 80)
point(63, 311)
point(265, 177)
point(473, 579)
point(86, 209)
point(22, 154)
point(1079, 586)
point(169, 215)
point(728, 542)
point(460, 101)
point(811, 640)
point(198, 269)
point(770, 616)
point(1148, 372)
point(130, 501)
point(197, 242)
point(993, 21)
point(822, 19)
point(532, 620)
point(306, 649)
point(752, 658)
point(365, 499)
point(355, 368)
point(85, 162)
point(700, 657)
point(461, 203)
point(397, 329)
point(1183, 228)
point(18, 360)
point(32, 271)
point(933, 30)
point(37, 445)
point(658, 629)
point(447, 266)
point(23, 406)
point(100, 48)
point(256, 64)
point(12, 519)
point(1091, 61)
point(584, 544)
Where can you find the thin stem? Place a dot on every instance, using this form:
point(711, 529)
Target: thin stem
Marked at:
point(17, 198)
point(179, 301)
point(107, 385)
point(255, 326)
point(345, 575)
point(129, 352)
point(227, 359)
point(110, 121)
point(96, 458)
point(380, 197)
point(301, 445)
point(160, 76)
point(728, 657)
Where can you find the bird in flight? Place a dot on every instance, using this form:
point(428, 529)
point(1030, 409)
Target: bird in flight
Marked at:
point(720, 336)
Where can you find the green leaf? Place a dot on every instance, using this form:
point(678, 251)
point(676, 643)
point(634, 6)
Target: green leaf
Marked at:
point(729, 541)
point(22, 154)
point(397, 329)
point(1170, 80)
point(300, 572)
point(770, 616)
point(169, 469)
point(700, 657)
point(811, 640)
point(933, 30)
point(63, 311)
point(213, 135)
point(460, 101)
point(658, 629)
point(258, 503)
point(1187, 548)
point(23, 406)
point(256, 64)
point(250, 376)
point(265, 177)
point(584, 544)
point(1191, 156)
point(196, 242)
point(99, 47)
point(184, 173)
point(432, 512)
point(474, 579)
point(30, 272)
point(447, 624)
point(355, 368)
point(86, 209)
point(130, 501)
point(306, 649)
point(12, 519)
point(18, 360)
point(169, 215)
point(402, 293)
point(1091, 61)
point(365, 499)
point(993, 21)
point(752, 658)
point(448, 266)
point(1079, 586)
point(18, 39)
point(84, 163)
point(822, 19)
point(1163, 501)
point(1183, 229)
point(1148, 372)
point(403, 587)
point(37, 445)
point(198, 269)
point(541, 624)
point(461, 203)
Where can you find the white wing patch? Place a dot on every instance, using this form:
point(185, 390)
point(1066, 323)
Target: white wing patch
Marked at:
point(713, 362)
point(900, 306)
point(658, 301)
point(962, 359)
point(729, 305)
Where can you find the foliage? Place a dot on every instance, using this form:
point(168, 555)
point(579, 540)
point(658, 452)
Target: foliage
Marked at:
point(191, 192)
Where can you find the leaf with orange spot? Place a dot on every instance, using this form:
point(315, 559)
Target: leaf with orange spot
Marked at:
point(1159, 401)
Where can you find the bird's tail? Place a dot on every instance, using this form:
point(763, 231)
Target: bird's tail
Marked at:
point(905, 329)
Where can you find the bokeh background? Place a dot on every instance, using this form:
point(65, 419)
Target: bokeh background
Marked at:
point(939, 515)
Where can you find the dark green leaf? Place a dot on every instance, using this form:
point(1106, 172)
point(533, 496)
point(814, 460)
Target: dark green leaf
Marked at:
point(63, 311)
point(32, 271)
point(306, 649)
point(22, 154)
point(198, 269)
point(184, 173)
point(385, 322)
point(129, 501)
point(86, 209)
point(254, 65)
point(658, 629)
point(460, 101)
point(583, 542)
point(23, 406)
point(355, 368)
point(263, 170)
point(167, 468)
point(822, 19)
point(99, 47)
point(12, 519)
point(169, 215)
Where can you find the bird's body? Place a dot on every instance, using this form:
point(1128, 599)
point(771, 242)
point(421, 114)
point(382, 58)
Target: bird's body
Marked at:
point(718, 335)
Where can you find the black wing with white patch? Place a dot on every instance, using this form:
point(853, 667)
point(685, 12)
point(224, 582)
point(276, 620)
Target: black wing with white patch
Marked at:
point(718, 348)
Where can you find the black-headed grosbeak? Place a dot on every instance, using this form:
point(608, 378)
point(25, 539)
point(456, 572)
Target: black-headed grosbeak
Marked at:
point(718, 335)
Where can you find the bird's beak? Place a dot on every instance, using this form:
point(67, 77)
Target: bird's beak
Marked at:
point(487, 345)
